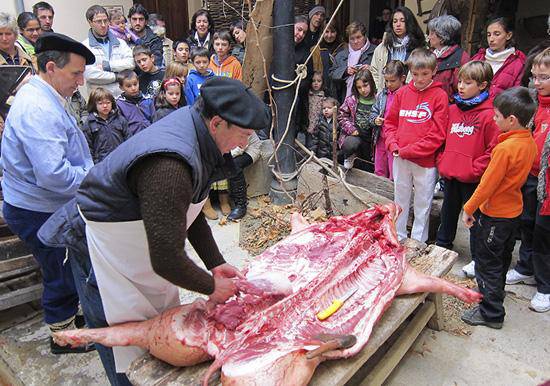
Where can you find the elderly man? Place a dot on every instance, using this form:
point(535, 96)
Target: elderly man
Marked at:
point(137, 207)
point(44, 12)
point(139, 16)
point(45, 158)
point(10, 54)
point(112, 55)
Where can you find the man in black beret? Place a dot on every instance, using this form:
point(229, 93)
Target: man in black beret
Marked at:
point(45, 158)
point(136, 208)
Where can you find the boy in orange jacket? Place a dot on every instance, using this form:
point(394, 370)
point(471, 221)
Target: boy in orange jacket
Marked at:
point(222, 63)
point(498, 197)
point(533, 266)
point(415, 129)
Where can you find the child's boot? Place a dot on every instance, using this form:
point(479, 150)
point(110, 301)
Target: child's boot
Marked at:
point(209, 211)
point(224, 202)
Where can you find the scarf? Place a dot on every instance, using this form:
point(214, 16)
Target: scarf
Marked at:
point(497, 59)
point(541, 186)
point(438, 52)
point(133, 99)
point(353, 59)
point(468, 104)
point(399, 49)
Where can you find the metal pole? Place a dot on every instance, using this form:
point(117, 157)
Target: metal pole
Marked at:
point(283, 66)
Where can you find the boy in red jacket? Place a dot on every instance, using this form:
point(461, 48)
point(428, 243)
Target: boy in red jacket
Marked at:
point(498, 197)
point(415, 130)
point(533, 266)
point(471, 135)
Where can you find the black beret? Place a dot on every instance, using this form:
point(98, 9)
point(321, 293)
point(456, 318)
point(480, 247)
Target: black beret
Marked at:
point(54, 41)
point(236, 103)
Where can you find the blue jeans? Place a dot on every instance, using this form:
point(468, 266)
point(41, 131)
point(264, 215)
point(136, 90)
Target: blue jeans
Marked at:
point(90, 301)
point(59, 299)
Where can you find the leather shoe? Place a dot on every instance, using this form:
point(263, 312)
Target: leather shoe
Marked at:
point(237, 213)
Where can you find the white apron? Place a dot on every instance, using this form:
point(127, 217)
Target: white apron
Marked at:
point(130, 290)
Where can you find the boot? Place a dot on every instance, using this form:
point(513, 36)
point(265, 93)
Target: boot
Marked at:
point(209, 211)
point(237, 191)
point(224, 202)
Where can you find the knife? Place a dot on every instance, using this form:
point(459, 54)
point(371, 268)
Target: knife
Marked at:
point(335, 305)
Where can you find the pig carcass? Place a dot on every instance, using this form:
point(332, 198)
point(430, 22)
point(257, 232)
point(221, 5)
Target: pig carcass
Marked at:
point(268, 333)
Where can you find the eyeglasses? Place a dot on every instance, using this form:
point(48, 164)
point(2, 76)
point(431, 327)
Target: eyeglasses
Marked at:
point(101, 21)
point(539, 78)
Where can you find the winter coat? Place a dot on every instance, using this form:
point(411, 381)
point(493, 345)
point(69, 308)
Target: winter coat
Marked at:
point(448, 66)
point(417, 122)
point(238, 52)
point(230, 67)
point(508, 75)
point(161, 112)
point(139, 115)
point(338, 72)
point(24, 58)
point(471, 136)
point(120, 59)
point(346, 118)
point(379, 60)
point(254, 147)
point(193, 84)
point(315, 107)
point(127, 35)
point(193, 42)
point(542, 126)
point(104, 135)
point(78, 108)
point(154, 42)
point(379, 108)
point(322, 138)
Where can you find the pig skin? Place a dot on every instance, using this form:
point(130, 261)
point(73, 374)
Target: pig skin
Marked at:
point(262, 338)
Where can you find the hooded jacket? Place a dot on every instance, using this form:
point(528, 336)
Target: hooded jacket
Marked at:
point(417, 123)
point(104, 135)
point(137, 111)
point(193, 84)
point(508, 75)
point(230, 67)
point(542, 128)
point(471, 136)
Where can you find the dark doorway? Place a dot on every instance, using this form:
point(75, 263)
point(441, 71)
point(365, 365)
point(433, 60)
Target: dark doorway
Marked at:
point(175, 13)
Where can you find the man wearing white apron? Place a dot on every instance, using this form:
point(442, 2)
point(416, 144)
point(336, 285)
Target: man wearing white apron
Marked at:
point(136, 208)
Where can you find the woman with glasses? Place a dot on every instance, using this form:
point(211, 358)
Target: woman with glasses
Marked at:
point(29, 32)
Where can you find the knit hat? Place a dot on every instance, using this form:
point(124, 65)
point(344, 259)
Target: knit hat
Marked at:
point(314, 10)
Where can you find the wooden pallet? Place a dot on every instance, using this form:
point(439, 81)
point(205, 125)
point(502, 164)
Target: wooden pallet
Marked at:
point(391, 338)
point(20, 277)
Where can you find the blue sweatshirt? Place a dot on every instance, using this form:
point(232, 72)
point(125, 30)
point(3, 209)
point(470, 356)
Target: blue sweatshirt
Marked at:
point(193, 84)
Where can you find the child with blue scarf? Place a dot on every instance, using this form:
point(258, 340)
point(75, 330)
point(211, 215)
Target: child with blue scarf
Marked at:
point(471, 136)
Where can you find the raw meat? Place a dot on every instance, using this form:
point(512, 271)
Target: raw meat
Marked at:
point(263, 335)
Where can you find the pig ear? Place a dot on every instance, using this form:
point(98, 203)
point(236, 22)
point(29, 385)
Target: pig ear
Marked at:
point(297, 222)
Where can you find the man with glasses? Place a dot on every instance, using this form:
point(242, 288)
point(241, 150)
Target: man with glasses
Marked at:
point(112, 55)
point(44, 12)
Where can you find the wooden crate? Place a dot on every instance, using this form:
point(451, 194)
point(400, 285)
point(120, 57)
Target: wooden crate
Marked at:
point(20, 277)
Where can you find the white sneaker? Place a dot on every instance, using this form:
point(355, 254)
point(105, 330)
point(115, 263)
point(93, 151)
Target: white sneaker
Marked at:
point(469, 269)
point(514, 277)
point(348, 163)
point(540, 302)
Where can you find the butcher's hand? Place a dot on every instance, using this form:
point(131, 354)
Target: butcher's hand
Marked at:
point(227, 271)
point(468, 219)
point(224, 288)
